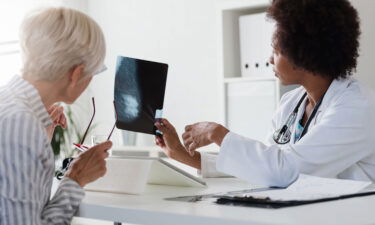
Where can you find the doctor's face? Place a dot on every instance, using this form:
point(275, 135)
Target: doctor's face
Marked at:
point(284, 69)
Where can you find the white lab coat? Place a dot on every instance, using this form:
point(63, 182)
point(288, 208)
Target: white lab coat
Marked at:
point(340, 142)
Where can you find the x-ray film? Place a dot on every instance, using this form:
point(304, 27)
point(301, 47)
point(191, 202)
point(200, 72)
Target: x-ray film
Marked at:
point(139, 94)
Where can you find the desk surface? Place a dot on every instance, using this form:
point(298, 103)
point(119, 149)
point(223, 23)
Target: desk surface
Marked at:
point(151, 208)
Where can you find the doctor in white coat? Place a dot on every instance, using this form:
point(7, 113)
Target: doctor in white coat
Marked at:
point(324, 128)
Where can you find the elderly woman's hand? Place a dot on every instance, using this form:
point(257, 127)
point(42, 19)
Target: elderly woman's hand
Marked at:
point(58, 118)
point(89, 165)
point(201, 134)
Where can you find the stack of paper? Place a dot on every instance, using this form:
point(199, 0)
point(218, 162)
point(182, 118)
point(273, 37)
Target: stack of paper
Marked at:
point(311, 187)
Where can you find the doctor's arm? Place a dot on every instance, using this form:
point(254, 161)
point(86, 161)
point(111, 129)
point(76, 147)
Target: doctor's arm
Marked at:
point(204, 133)
point(172, 146)
point(342, 137)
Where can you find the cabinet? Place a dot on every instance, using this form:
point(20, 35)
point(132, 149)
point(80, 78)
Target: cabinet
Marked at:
point(247, 102)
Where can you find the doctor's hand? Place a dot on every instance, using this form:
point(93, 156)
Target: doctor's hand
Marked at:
point(89, 165)
point(169, 142)
point(58, 118)
point(172, 146)
point(204, 133)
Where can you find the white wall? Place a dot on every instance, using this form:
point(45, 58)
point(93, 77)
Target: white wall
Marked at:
point(365, 70)
point(183, 33)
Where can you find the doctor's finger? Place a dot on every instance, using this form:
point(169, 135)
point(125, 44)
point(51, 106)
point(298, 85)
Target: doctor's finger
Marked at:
point(159, 142)
point(161, 127)
point(187, 143)
point(192, 147)
point(188, 127)
point(191, 153)
point(167, 124)
point(186, 135)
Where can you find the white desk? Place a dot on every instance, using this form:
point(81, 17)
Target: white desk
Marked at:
point(150, 208)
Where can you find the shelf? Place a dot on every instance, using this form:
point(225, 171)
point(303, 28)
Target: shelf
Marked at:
point(139, 151)
point(246, 79)
point(136, 148)
point(243, 4)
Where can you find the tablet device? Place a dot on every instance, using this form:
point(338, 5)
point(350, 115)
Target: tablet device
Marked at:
point(130, 175)
point(164, 173)
point(139, 94)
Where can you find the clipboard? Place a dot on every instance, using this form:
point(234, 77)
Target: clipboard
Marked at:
point(306, 189)
point(276, 204)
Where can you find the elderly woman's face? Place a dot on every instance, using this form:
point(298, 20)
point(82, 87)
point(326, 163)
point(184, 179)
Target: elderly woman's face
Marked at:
point(284, 69)
point(80, 87)
point(77, 83)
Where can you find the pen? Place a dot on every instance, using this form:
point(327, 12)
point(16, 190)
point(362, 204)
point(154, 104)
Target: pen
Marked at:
point(80, 147)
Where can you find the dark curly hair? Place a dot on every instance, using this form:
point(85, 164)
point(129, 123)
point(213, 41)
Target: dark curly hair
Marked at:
point(318, 36)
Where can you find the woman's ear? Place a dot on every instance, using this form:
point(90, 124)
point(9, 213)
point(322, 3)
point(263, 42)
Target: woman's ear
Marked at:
point(76, 75)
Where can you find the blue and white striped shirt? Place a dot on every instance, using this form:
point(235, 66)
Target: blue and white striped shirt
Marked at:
point(27, 162)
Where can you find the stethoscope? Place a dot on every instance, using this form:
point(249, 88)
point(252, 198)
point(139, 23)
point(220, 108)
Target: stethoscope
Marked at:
point(282, 136)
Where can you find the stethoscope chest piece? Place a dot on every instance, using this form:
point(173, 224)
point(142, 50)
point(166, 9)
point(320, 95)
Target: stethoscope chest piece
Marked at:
point(282, 136)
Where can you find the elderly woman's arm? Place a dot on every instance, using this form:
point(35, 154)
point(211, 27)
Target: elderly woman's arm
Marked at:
point(27, 169)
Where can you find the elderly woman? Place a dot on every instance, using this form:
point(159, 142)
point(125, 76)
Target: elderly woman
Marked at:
point(325, 128)
point(62, 49)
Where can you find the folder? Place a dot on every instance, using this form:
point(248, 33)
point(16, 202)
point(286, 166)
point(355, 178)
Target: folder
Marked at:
point(255, 44)
point(306, 190)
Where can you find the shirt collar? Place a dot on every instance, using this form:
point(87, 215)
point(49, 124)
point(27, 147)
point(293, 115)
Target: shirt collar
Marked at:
point(26, 91)
point(337, 86)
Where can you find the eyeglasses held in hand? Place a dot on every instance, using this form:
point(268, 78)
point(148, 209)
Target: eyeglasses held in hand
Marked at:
point(82, 147)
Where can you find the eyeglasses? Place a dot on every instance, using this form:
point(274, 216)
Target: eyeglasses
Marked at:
point(82, 147)
point(102, 69)
point(66, 162)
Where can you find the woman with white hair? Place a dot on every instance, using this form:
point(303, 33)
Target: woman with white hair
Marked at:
point(62, 49)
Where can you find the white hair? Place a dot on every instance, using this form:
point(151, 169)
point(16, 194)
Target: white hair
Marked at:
point(55, 40)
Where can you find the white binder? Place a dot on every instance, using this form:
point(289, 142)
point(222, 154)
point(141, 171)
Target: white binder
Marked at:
point(255, 43)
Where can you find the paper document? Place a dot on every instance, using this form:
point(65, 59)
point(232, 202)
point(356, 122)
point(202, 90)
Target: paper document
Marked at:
point(311, 187)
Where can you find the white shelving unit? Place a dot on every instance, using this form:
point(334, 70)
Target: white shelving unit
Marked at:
point(248, 116)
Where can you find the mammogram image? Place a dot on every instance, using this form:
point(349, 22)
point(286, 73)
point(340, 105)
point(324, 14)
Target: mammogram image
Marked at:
point(139, 93)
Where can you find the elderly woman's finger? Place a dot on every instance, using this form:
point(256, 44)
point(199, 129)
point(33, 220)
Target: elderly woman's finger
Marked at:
point(51, 108)
point(55, 114)
point(62, 121)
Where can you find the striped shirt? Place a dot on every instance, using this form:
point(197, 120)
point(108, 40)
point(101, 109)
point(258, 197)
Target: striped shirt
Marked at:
point(27, 162)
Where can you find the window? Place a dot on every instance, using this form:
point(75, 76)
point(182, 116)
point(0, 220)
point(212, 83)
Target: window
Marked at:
point(11, 16)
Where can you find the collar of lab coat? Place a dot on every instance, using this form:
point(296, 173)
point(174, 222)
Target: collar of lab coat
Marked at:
point(336, 87)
